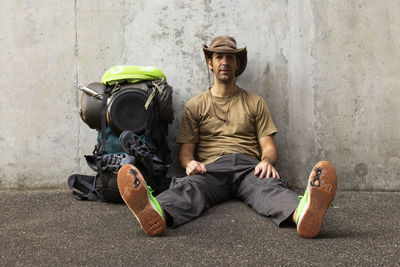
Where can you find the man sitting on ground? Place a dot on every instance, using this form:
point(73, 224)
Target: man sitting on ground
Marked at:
point(227, 125)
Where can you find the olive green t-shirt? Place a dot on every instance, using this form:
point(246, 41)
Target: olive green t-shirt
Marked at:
point(247, 120)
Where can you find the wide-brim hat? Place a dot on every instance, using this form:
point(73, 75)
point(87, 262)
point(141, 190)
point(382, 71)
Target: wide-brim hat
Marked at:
point(227, 44)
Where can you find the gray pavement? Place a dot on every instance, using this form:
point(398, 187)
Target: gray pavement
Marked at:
point(51, 228)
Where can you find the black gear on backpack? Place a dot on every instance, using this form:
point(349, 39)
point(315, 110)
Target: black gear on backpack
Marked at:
point(145, 108)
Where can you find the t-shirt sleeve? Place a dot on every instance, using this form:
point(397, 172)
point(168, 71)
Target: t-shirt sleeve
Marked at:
point(263, 122)
point(188, 128)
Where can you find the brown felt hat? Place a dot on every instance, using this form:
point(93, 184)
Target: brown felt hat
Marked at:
point(227, 44)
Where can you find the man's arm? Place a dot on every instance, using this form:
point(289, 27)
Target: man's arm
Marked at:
point(186, 159)
point(269, 157)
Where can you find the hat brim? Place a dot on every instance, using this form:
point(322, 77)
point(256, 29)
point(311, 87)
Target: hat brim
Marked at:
point(240, 52)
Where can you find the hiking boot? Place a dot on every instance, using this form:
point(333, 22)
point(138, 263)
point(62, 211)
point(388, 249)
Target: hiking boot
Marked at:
point(315, 202)
point(138, 196)
point(132, 143)
point(134, 146)
point(109, 162)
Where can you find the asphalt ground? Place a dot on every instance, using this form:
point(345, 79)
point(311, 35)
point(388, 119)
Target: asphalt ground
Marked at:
point(51, 228)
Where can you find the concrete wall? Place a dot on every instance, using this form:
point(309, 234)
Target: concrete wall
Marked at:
point(329, 71)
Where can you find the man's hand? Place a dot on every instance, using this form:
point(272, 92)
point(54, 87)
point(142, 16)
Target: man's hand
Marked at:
point(195, 167)
point(265, 170)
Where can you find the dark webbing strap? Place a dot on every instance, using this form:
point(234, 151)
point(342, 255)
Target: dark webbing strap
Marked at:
point(103, 151)
point(83, 187)
point(104, 120)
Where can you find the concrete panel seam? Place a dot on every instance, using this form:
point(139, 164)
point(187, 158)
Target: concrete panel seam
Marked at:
point(76, 83)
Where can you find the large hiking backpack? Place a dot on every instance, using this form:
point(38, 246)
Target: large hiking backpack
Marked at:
point(129, 98)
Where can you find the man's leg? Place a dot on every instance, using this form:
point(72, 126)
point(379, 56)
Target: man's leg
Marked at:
point(190, 196)
point(270, 197)
point(186, 199)
point(273, 198)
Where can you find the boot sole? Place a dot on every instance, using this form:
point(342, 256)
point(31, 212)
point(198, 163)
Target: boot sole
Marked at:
point(322, 186)
point(133, 190)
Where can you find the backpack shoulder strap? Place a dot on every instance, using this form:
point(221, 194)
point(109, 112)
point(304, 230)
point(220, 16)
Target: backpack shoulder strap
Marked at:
point(107, 93)
point(103, 151)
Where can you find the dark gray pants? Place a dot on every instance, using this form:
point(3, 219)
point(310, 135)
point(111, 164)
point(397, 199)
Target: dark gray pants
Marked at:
point(231, 176)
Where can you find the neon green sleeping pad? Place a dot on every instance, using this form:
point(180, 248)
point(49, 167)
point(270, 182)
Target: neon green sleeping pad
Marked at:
point(131, 74)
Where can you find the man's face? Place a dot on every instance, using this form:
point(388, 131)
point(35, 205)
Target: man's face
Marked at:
point(224, 66)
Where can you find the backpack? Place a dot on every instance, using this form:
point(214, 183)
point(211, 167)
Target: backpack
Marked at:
point(129, 98)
